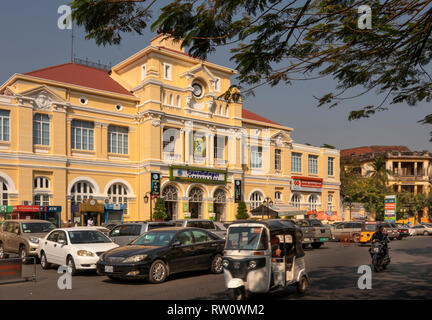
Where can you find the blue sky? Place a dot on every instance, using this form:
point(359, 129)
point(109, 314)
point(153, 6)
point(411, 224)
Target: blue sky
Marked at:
point(31, 40)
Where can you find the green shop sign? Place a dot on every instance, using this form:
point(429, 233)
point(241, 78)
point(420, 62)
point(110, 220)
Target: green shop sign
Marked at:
point(192, 174)
point(6, 209)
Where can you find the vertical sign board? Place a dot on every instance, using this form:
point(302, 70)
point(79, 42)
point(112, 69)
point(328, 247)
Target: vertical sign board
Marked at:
point(390, 208)
point(155, 184)
point(237, 191)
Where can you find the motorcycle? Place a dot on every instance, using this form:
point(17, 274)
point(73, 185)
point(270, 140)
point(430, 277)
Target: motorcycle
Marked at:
point(380, 256)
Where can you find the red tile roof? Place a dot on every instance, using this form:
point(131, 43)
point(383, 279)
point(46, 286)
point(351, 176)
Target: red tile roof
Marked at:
point(246, 114)
point(372, 149)
point(82, 76)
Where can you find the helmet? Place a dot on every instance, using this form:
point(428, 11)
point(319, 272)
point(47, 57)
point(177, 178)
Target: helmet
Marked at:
point(381, 228)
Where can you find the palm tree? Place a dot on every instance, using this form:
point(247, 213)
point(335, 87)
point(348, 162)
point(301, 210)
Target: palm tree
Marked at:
point(379, 172)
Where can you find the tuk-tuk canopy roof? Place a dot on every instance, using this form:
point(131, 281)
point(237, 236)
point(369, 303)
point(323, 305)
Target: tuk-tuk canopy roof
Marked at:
point(275, 225)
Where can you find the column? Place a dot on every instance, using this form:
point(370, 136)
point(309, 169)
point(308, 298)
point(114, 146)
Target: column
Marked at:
point(187, 135)
point(98, 139)
point(69, 137)
point(182, 152)
point(415, 168)
point(399, 168)
point(210, 154)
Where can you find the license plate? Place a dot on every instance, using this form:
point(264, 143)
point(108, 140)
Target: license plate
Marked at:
point(376, 250)
point(306, 239)
point(109, 269)
point(323, 239)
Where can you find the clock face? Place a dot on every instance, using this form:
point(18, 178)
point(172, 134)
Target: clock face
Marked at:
point(198, 90)
point(92, 202)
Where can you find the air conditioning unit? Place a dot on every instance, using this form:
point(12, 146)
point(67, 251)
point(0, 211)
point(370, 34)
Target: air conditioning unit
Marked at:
point(27, 203)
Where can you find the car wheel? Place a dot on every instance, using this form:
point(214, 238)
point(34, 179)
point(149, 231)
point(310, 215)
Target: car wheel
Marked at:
point(302, 285)
point(23, 254)
point(2, 252)
point(71, 264)
point(316, 245)
point(216, 265)
point(113, 277)
point(237, 293)
point(44, 262)
point(158, 272)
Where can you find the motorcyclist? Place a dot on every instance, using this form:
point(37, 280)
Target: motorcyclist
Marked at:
point(381, 236)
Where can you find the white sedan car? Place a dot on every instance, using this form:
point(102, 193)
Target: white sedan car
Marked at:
point(423, 229)
point(77, 247)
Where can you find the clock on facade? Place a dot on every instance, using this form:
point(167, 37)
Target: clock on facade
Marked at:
point(197, 90)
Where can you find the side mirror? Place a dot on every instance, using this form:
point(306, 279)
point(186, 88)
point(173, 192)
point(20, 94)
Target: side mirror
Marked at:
point(62, 242)
point(176, 244)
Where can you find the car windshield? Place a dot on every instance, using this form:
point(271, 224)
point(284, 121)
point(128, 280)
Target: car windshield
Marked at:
point(246, 238)
point(37, 227)
point(155, 238)
point(316, 223)
point(90, 236)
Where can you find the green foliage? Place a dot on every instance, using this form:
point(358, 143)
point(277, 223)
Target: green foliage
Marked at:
point(328, 146)
point(242, 211)
point(410, 203)
point(159, 212)
point(284, 41)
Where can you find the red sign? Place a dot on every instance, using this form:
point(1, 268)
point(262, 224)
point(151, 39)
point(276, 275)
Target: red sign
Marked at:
point(306, 183)
point(26, 208)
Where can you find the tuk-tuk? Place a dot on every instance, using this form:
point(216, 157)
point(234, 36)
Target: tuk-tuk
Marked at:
point(263, 256)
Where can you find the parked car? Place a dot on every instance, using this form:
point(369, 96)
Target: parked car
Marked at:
point(307, 231)
point(321, 233)
point(422, 229)
point(78, 247)
point(23, 237)
point(403, 231)
point(392, 229)
point(161, 252)
point(202, 224)
point(127, 232)
point(110, 226)
point(347, 231)
point(221, 228)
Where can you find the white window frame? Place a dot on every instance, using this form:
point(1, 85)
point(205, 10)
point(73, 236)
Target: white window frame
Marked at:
point(330, 206)
point(278, 196)
point(296, 200)
point(219, 150)
point(330, 165)
point(117, 134)
point(117, 194)
point(296, 162)
point(167, 75)
point(217, 84)
point(4, 193)
point(89, 135)
point(256, 199)
point(83, 196)
point(312, 164)
point(313, 202)
point(44, 139)
point(4, 125)
point(278, 159)
point(256, 161)
point(41, 199)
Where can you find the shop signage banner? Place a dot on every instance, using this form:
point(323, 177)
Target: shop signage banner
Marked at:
point(6, 209)
point(155, 184)
point(180, 173)
point(50, 208)
point(26, 208)
point(390, 208)
point(237, 191)
point(199, 146)
point(306, 185)
point(115, 206)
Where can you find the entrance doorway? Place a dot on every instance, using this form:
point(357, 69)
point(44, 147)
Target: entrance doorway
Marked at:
point(169, 194)
point(195, 203)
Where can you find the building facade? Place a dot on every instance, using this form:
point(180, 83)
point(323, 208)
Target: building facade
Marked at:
point(409, 171)
point(73, 133)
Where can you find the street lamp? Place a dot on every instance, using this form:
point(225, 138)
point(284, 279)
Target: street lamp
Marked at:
point(146, 200)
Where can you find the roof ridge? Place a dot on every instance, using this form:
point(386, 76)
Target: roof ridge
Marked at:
point(256, 114)
point(48, 68)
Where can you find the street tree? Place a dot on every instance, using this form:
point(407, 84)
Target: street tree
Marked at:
point(275, 41)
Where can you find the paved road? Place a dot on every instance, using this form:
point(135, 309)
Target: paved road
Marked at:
point(332, 269)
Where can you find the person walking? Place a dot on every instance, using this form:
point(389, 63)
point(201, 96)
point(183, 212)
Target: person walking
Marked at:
point(90, 222)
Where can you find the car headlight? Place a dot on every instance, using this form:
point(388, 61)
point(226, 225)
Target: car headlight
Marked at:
point(225, 263)
point(137, 258)
point(252, 264)
point(85, 253)
point(34, 240)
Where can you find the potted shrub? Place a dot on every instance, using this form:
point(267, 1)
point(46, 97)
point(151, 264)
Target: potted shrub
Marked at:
point(159, 213)
point(242, 213)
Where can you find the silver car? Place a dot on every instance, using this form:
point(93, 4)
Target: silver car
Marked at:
point(347, 231)
point(126, 232)
point(209, 225)
point(422, 229)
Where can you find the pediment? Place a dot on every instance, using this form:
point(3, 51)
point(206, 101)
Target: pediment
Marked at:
point(43, 97)
point(198, 68)
point(281, 137)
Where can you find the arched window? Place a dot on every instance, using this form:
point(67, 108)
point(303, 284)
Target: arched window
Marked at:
point(178, 101)
point(330, 207)
point(296, 200)
point(4, 196)
point(256, 199)
point(117, 194)
point(171, 99)
point(219, 196)
point(170, 193)
point(164, 98)
point(227, 110)
point(196, 195)
point(81, 191)
point(278, 196)
point(40, 197)
point(220, 109)
point(313, 202)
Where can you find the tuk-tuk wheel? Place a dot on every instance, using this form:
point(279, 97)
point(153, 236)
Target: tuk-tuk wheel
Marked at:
point(302, 285)
point(237, 293)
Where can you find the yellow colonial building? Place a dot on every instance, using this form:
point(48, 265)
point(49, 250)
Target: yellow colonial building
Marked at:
point(155, 123)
